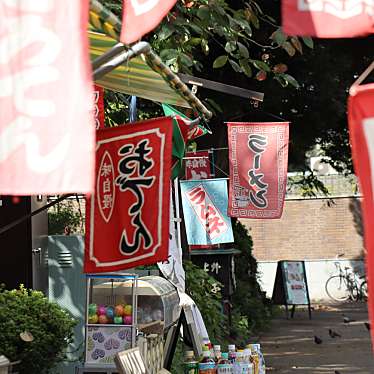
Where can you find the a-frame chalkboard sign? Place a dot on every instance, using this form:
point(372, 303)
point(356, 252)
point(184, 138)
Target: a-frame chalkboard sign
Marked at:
point(291, 286)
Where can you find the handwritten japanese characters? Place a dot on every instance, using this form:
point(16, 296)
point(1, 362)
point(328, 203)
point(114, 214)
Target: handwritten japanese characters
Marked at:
point(258, 155)
point(197, 165)
point(204, 208)
point(129, 214)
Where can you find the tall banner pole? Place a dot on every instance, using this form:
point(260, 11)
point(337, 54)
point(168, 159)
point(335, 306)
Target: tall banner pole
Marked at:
point(177, 218)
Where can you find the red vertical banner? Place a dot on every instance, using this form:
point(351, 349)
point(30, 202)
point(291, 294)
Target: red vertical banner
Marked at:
point(361, 133)
point(328, 18)
point(99, 107)
point(197, 165)
point(47, 135)
point(258, 157)
point(142, 16)
point(128, 216)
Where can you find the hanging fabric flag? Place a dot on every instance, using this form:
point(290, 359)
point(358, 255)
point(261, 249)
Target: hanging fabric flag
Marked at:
point(47, 135)
point(142, 16)
point(204, 208)
point(192, 132)
point(197, 165)
point(328, 18)
point(183, 131)
point(361, 133)
point(128, 217)
point(258, 156)
point(99, 107)
point(172, 268)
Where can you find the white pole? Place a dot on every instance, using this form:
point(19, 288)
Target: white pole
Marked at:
point(177, 218)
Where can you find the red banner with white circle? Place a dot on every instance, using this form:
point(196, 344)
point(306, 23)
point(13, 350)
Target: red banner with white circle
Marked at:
point(127, 221)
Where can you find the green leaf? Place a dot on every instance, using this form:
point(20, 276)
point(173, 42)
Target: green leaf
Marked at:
point(205, 46)
point(245, 67)
point(235, 66)
point(185, 59)
point(279, 36)
point(195, 28)
point(244, 25)
point(243, 50)
point(288, 47)
point(230, 46)
point(220, 61)
point(203, 13)
point(296, 43)
point(308, 41)
point(261, 65)
point(168, 54)
point(195, 41)
point(165, 32)
point(291, 80)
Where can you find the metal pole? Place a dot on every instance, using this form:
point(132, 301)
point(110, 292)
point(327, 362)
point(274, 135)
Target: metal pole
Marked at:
point(35, 212)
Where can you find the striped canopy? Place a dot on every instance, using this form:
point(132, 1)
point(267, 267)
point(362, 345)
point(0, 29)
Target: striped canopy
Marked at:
point(135, 78)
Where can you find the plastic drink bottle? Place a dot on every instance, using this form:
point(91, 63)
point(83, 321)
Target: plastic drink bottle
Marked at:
point(217, 353)
point(247, 366)
point(207, 364)
point(190, 365)
point(232, 353)
point(224, 366)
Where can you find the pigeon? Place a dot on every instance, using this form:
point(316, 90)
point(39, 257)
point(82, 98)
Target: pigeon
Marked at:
point(317, 340)
point(334, 334)
point(348, 320)
point(367, 325)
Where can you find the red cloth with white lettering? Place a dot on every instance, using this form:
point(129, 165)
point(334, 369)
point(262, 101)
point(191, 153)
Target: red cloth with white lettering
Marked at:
point(361, 133)
point(258, 156)
point(127, 219)
point(47, 134)
point(197, 165)
point(99, 107)
point(328, 18)
point(142, 16)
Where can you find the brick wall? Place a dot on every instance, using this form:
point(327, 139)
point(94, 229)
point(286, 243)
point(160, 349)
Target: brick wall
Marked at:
point(309, 229)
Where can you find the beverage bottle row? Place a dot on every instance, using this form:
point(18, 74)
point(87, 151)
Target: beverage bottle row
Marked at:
point(214, 362)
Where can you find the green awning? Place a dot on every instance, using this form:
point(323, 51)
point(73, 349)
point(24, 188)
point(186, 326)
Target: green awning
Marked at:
point(135, 78)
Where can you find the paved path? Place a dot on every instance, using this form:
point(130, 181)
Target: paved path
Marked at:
point(289, 344)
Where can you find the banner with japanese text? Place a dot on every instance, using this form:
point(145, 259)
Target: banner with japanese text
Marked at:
point(47, 135)
point(361, 133)
point(328, 18)
point(98, 101)
point(197, 165)
point(258, 157)
point(142, 16)
point(204, 205)
point(128, 216)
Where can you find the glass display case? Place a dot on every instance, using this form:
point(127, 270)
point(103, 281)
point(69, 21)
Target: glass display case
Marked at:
point(110, 317)
point(157, 301)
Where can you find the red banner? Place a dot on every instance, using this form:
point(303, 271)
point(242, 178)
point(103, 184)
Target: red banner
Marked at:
point(128, 217)
point(258, 156)
point(47, 135)
point(197, 165)
point(142, 16)
point(99, 107)
point(361, 132)
point(328, 18)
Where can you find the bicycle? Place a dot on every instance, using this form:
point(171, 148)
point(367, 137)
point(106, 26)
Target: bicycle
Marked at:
point(345, 286)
